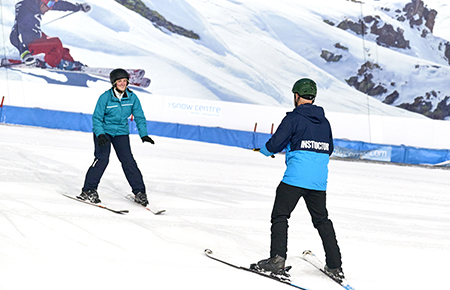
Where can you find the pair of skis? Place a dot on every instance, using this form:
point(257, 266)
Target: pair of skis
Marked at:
point(209, 253)
point(307, 256)
point(136, 75)
point(129, 197)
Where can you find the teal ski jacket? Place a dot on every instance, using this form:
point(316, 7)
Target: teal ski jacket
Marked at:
point(111, 114)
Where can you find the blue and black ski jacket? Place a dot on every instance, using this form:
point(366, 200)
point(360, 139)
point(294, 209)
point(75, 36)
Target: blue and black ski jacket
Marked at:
point(306, 136)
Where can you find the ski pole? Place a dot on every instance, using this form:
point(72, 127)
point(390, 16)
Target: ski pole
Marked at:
point(61, 17)
point(259, 149)
point(1, 109)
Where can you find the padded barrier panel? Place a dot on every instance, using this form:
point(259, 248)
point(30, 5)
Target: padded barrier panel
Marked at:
point(249, 140)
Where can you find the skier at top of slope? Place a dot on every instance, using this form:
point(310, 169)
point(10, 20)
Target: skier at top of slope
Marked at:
point(27, 36)
point(306, 135)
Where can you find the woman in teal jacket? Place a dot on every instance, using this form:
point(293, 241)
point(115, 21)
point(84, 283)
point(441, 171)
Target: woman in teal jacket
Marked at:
point(110, 126)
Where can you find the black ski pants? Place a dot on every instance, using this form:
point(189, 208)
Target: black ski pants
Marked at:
point(286, 199)
point(122, 147)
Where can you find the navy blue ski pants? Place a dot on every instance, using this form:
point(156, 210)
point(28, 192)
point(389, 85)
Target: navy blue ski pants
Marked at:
point(122, 147)
point(286, 199)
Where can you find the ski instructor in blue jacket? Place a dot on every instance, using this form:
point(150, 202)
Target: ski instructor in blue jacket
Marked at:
point(306, 136)
point(110, 126)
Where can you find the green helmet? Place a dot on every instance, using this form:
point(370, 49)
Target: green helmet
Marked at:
point(305, 88)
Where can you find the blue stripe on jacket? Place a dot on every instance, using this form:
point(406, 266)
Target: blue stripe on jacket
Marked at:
point(306, 169)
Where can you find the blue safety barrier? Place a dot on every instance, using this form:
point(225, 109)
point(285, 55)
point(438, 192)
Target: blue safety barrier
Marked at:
point(244, 139)
point(389, 153)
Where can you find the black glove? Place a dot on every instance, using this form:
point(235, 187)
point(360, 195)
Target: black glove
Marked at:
point(84, 7)
point(102, 140)
point(147, 139)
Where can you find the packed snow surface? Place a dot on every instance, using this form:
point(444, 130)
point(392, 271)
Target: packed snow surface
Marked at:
point(391, 221)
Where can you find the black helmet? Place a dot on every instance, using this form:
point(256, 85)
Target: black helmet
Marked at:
point(118, 74)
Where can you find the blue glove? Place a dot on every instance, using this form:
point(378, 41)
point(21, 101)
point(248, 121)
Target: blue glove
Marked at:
point(265, 152)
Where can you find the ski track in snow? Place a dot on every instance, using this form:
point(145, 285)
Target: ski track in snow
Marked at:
point(391, 221)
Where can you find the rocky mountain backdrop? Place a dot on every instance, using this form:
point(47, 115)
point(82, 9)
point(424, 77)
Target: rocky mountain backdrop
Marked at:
point(371, 77)
point(157, 19)
point(421, 20)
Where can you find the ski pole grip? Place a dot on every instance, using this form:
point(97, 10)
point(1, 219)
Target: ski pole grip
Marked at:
point(259, 149)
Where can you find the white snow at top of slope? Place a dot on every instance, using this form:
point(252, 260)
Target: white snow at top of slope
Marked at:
point(249, 52)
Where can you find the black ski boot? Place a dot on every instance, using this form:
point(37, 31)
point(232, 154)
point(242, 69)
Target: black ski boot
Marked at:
point(90, 195)
point(274, 265)
point(337, 274)
point(141, 198)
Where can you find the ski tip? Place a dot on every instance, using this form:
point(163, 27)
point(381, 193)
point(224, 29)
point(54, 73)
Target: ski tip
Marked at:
point(208, 252)
point(307, 252)
point(155, 212)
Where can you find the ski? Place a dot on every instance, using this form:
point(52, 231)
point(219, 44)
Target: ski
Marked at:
point(210, 254)
point(313, 260)
point(136, 75)
point(97, 205)
point(153, 211)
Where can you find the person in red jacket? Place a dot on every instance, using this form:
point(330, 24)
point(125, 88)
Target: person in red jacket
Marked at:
point(27, 36)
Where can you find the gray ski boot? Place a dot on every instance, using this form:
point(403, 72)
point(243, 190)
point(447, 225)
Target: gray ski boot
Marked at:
point(90, 195)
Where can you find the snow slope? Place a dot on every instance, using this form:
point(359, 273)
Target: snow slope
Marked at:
point(249, 52)
point(391, 221)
